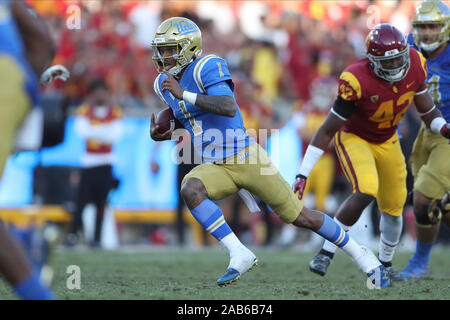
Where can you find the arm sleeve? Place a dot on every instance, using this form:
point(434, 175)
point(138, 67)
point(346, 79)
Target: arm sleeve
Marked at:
point(343, 108)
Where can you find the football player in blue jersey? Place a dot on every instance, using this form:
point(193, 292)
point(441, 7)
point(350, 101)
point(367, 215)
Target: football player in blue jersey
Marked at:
point(26, 51)
point(199, 90)
point(431, 151)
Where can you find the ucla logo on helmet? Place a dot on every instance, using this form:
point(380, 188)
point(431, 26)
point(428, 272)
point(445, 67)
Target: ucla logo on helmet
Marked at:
point(444, 9)
point(184, 27)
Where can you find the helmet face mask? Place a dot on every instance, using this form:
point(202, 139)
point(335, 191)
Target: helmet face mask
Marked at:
point(165, 57)
point(393, 67)
point(431, 25)
point(428, 36)
point(177, 43)
point(388, 52)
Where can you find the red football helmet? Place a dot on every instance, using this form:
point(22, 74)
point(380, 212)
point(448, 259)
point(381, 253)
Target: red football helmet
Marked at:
point(388, 51)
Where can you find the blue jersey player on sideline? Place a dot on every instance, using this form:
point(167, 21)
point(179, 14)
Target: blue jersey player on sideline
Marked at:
point(431, 151)
point(26, 50)
point(199, 90)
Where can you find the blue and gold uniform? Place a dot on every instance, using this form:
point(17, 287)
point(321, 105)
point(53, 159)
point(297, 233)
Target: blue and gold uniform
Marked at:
point(18, 83)
point(215, 137)
point(231, 159)
point(431, 151)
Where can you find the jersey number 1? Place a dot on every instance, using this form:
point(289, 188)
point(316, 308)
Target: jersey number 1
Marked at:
point(220, 69)
point(195, 127)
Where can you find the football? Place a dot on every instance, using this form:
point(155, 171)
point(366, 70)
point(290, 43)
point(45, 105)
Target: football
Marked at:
point(166, 120)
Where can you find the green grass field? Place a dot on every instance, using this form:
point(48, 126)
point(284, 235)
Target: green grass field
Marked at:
point(176, 274)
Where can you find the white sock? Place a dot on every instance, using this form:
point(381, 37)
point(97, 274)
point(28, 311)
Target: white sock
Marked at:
point(386, 250)
point(330, 246)
point(352, 248)
point(366, 260)
point(241, 258)
point(391, 230)
point(232, 243)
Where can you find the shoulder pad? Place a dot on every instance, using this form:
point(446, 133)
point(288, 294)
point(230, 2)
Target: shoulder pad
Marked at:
point(349, 86)
point(410, 39)
point(418, 58)
point(209, 70)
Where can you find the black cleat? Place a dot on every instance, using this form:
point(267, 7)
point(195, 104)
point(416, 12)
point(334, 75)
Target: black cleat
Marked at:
point(319, 264)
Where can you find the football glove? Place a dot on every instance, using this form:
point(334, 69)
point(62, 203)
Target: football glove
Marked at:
point(54, 72)
point(445, 203)
point(445, 130)
point(299, 185)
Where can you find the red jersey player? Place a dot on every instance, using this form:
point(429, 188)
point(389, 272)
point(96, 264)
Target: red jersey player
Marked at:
point(374, 93)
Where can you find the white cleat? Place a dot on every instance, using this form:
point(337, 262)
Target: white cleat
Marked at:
point(239, 264)
point(378, 277)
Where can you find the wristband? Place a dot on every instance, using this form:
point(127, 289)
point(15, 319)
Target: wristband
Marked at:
point(312, 155)
point(189, 97)
point(437, 124)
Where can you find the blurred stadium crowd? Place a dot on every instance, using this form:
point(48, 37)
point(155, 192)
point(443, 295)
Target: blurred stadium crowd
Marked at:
point(275, 50)
point(277, 47)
